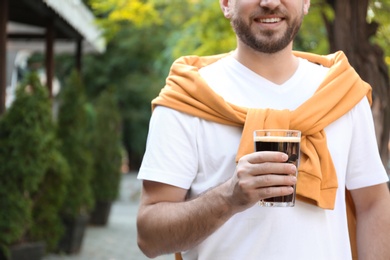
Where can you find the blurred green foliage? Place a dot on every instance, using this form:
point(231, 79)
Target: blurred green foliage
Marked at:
point(48, 200)
point(75, 123)
point(106, 148)
point(27, 137)
point(379, 12)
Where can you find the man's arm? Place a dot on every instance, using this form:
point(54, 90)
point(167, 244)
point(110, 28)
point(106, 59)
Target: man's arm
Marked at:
point(168, 223)
point(373, 222)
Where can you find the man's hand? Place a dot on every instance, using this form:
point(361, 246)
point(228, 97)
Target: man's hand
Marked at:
point(261, 175)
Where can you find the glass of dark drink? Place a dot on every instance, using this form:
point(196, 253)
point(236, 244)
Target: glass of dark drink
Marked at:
point(286, 141)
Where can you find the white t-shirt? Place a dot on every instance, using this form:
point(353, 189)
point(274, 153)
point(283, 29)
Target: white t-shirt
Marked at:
point(197, 154)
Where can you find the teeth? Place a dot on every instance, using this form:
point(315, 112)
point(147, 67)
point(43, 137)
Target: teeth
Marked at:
point(270, 20)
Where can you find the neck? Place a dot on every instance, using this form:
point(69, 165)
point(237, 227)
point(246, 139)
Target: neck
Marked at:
point(276, 67)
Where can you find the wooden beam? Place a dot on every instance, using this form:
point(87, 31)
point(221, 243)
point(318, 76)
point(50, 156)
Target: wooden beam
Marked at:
point(50, 36)
point(3, 52)
point(32, 36)
point(26, 36)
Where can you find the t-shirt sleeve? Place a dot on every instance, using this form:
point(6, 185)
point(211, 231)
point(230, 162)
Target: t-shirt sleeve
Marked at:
point(365, 167)
point(171, 153)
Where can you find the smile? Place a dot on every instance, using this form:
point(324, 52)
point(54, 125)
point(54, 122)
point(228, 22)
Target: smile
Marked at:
point(269, 20)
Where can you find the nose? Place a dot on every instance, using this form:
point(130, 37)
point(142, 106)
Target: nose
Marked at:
point(270, 4)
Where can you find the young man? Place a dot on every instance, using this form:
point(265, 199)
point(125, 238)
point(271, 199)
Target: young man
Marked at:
point(202, 180)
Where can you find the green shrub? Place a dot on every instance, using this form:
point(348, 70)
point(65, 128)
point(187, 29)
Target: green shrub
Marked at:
point(15, 217)
point(74, 132)
point(106, 148)
point(25, 134)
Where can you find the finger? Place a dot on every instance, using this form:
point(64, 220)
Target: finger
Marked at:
point(273, 180)
point(259, 157)
point(273, 168)
point(270, 192)
point(246, 170)
point(254, 184)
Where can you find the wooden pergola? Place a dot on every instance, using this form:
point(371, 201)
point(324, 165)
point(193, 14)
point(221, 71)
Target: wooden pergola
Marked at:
point(65, 21)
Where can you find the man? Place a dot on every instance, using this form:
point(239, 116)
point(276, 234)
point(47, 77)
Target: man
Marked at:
point(202, 180)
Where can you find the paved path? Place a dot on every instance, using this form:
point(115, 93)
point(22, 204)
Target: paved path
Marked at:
point(117, 240)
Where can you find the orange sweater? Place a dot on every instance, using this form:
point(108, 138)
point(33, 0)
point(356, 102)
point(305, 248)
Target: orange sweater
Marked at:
point(342, 89)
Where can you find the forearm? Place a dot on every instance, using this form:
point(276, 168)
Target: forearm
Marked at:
point(168, 227)
point(373, 232)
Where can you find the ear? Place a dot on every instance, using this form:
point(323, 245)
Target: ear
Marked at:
point(306, 6)
point(225, 7)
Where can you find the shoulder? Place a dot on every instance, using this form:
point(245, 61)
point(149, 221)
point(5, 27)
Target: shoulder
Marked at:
point(172, 116)
point(199, 61)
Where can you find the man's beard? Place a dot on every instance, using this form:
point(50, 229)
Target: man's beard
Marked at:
point(244, 33)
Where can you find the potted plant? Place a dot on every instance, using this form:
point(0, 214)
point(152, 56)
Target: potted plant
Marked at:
point(74, 132)
point(106, 151)
point(25, 136)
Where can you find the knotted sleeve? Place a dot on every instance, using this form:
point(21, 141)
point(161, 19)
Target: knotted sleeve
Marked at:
point(257, 119)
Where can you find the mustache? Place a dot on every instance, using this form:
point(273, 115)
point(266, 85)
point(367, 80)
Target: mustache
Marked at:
point(265, 11)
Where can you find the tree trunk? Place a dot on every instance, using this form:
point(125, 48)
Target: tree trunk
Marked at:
point(351, 33)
